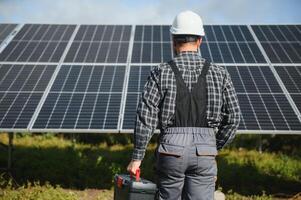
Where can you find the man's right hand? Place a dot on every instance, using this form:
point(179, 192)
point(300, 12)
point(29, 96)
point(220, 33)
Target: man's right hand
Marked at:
point(133, 166)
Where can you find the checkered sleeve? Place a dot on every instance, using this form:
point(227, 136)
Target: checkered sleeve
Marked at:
point(230, 115)
point(147, 114)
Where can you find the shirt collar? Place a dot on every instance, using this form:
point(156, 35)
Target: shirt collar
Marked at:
point(193, 55)
point(189, 53)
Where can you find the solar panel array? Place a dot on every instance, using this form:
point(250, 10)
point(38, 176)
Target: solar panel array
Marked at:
point(89, 78)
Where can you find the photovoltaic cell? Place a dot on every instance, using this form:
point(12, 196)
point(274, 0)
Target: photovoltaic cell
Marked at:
point(83, 97)
point(38, 43)
point(21, 88)
point(282, 43)
point(100, 44)
point(5, 30)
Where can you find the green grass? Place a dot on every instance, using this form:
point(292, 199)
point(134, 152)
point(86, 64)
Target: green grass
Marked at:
point(34, 191)
point(62, 167)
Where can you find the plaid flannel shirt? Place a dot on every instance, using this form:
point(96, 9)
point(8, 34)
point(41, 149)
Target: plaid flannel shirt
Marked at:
point(156, 106)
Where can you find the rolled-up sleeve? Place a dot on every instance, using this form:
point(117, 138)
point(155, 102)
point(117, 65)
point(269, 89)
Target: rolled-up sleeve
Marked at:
point(147, 114)
point(230, 115)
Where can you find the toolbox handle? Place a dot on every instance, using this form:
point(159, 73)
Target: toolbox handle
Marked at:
point(137, 175)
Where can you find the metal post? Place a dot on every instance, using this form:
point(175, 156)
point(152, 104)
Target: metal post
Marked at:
point(9, 148)
point(260, 144)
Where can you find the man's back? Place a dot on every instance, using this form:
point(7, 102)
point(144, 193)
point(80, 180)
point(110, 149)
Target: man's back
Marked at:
point(196, 108)
point(190, 65)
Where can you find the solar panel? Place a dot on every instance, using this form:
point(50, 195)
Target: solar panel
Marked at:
point(152, 44)
point(230, 44)
point(282, 43)
point(221, 44)
point(100, 44)
point(263, 103)
point(137, 78)
point(291, 78)
point(5, 30)
point(89, 78)
point(38, 43)
point(83, 97)
point(21, 88)
point(297, 100)
point(267, 112)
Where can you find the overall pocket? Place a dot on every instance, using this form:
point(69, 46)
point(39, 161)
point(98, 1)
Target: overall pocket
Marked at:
point(205, 149)
point(169, 158)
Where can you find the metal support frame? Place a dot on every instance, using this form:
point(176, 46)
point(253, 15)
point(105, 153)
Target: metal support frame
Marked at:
point(9, 148)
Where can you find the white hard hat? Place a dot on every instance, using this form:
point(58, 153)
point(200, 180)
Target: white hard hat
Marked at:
point(187, 23)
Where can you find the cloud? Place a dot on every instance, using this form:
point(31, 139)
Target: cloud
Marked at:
point(148, 11)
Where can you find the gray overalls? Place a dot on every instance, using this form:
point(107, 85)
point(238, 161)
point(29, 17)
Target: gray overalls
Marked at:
point(185, 157)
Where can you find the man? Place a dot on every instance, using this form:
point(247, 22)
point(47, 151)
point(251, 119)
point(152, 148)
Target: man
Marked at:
point(195, 106)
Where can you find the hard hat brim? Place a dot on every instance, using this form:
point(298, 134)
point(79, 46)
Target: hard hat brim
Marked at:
point(174, 31)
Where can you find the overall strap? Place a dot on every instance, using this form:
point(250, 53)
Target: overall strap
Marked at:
point(177, 73)
point(205, 68)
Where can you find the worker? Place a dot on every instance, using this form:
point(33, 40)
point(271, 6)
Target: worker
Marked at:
point(195, 106)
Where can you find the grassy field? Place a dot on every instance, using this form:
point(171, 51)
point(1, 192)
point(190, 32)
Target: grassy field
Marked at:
point(50, 166)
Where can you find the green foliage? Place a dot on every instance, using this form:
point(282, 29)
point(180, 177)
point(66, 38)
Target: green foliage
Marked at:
point(235, 196)
point(33, 192)
point(57, 160)
point(250, 172)
point(285, 144)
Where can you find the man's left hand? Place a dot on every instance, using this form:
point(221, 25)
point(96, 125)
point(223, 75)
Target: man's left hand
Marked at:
point(133, 166)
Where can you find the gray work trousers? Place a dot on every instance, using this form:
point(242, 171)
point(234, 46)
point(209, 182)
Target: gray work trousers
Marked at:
point(189, 174)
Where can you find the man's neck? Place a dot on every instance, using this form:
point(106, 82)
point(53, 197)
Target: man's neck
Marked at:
point(187, 48)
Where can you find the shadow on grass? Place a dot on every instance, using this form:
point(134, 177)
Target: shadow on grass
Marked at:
point(68, 167)
point(247, 180)
point(95, 168)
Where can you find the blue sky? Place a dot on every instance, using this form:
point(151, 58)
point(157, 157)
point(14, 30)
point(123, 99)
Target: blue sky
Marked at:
point(149, 11)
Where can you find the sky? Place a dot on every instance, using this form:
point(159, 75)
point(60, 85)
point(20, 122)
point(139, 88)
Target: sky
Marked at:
point(149, 11)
